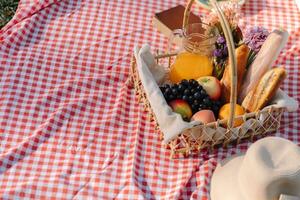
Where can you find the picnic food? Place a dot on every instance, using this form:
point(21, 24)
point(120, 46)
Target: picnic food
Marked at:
point(188, 138)
point(225, 112)
point(211, 85)
point(193, 93)
point(190, 66)
point(241, 58)
point(264, 60)
point(181, 107)
point(265, 90)
point(204, 116)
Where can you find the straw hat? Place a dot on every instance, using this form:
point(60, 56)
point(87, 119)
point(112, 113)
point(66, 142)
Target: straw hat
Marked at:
point(270, 167)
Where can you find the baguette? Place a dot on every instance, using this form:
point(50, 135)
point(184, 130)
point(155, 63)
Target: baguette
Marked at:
point(265, 90)
point(264, 60)
point(241, 55)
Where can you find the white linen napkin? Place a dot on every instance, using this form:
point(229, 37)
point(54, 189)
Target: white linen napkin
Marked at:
point(281, 99)
point(170, 123)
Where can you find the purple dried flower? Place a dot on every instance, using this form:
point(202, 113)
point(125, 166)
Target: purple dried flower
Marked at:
point(221, 51)
point(255, 37)
point(218, 53)
point(221, 40)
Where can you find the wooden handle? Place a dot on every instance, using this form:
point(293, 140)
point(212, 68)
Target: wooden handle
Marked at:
point(187, 12)
point(231, 52)
point(288, 197)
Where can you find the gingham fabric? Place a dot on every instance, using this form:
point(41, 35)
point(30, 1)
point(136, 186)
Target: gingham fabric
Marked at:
point(71, 126)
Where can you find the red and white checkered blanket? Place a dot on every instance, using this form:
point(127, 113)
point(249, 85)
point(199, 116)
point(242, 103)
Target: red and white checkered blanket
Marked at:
point(70, 126)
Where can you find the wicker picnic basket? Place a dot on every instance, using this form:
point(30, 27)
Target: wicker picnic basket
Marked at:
point(221, 132)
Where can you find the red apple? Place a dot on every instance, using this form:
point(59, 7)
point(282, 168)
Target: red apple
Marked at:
point(181, 107)
point(211, 85)
point(204, 116)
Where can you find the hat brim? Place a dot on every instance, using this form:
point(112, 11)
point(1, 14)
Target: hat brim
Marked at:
point(224, 182)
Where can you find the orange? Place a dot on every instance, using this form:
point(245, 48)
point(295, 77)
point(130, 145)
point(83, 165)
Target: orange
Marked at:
point(190, 66)
point(224, 113)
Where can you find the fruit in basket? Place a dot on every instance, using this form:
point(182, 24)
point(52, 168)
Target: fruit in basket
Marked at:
point(190, 66)
point(224, 113)
point(193, 93)
point(181, 107)
point(204, 116)
point(211, 85)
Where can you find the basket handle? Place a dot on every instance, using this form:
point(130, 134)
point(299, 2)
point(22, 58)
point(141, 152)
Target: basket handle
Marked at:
point(231, 51)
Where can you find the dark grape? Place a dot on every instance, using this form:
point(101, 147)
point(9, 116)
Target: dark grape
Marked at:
point(168, 91)
point(187, 92)
point(181, 87)
point(179, 96)
point(206, 101)
point(197, 95)
point(174, 91)
point(201, 106)
point(171, 97)
point(184, 82)
point(193, 90)
point(175, 86)
point(203, 93)
point(191, 98)
point(215, 108)
point(194, 107)
point(162, 88)
point(193, 82)
point(167, 97)
point(185, 97)
point(199, 88)
point(196, 102)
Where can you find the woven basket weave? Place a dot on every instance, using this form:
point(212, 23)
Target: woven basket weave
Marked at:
point(221, 132)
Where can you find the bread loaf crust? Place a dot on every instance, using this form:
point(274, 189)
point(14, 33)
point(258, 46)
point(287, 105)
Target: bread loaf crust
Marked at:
point(265, 90)
point(264, 60)
point(242, 53)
